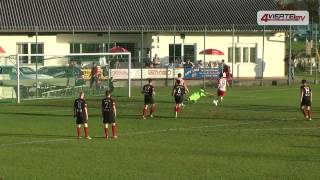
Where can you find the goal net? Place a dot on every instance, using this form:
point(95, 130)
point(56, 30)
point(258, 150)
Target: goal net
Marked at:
point(65, 75)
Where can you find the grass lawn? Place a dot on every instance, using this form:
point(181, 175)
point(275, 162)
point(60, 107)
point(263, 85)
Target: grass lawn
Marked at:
point(257, 133)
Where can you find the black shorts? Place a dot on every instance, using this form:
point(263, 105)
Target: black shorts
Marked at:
point(81, 119)
point(305, 102)
point(178, 99)
point(108, 118)
point(148, 100)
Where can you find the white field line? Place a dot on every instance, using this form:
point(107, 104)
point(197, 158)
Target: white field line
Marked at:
point(34, 142)
point(264, 129)
point(172, 130)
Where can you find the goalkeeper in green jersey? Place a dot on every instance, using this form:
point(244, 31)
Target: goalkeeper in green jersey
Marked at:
point(197, 95)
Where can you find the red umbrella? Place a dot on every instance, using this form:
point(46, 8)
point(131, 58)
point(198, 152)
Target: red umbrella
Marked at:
point(2, 51)
point(117, 49)
point(212, 52)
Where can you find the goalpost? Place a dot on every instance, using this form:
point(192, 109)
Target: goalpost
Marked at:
point(103, 56)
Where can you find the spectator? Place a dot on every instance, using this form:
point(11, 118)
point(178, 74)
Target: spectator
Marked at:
point(211, 64)
point(94, 75)
point(117, 64)
point(221, 66)
point(188, 64)
point(105, 72)
point(69, 73)
point(156, 61)
point(200, 64)
point(178, 62)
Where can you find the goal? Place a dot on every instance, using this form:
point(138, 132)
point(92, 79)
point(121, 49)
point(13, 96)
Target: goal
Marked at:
point(64, 75)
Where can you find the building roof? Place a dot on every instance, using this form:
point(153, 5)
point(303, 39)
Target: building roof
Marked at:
point(129, 15)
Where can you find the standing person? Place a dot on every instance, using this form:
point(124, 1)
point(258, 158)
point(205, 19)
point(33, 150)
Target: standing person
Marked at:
point(200, 64)
point(189, 64)
point(93, 75)
point(69, 73)
point(222, 66)
point(109, 113)
point(182, 82)
point(178, 93)
point(80, 110)
point(305, 99)
point(149, 92)
point(156, 61)
point(222, 88)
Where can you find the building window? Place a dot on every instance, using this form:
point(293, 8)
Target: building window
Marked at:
point(36, 49)
point(92, 48)
point(243, 54)
point(29, 49)
point(23, 49)
point(182, 52)
point(177, 54)
point(75, 48)
point(245, 57)
point(189, 52)
point(230, 55)
point(237, 55)
point(253, 54)
point(78, 48)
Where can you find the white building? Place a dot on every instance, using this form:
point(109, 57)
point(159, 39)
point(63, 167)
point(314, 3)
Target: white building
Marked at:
point(188, 26)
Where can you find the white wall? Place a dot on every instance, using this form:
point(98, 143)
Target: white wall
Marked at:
point(159, 44)
point(274, 50)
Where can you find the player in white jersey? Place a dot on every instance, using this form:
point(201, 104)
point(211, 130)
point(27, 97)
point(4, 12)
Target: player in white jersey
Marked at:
point(222, 88)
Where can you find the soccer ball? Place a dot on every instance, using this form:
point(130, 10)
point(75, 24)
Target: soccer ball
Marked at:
point(215, 102)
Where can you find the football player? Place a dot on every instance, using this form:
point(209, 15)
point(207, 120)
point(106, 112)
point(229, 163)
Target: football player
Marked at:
point(109, 112)
point(80, 110)
point(148, 91)
point(305, 99)
point(222, 88)
point(178, 93)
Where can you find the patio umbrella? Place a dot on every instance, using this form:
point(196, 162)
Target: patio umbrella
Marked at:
point(2, 52)
point(211, 52)
point(117, 49)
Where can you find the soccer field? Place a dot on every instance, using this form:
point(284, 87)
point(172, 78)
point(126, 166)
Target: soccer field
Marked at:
point(258, 133)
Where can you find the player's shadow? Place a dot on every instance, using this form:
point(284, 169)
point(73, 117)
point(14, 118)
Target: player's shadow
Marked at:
point(35, 135)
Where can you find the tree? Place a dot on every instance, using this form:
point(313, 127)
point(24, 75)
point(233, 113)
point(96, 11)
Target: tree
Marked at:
point(310, 5)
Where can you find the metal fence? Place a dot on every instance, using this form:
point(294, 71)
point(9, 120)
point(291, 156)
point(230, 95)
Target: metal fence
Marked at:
point(249, 52)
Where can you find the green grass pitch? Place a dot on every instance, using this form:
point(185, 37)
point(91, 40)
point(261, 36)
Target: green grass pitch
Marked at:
point(258, 133)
